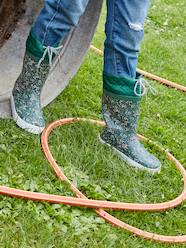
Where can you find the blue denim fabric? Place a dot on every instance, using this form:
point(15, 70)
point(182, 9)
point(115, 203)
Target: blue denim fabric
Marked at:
point(56, 20)
point(124, 30)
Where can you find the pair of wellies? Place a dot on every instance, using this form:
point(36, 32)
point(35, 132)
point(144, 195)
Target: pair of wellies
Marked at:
point(120, 106)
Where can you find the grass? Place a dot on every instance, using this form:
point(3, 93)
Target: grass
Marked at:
point(93, 167)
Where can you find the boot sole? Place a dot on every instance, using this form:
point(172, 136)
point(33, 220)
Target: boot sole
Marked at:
point(23, 124)
point(129, 161)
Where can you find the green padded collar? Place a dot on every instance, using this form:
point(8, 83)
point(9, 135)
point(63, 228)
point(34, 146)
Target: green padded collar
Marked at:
point(119, 85)
point(34, 47)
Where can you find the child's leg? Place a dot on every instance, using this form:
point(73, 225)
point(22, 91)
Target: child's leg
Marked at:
point(55, 21)
point(124, 33)
point(122, 91)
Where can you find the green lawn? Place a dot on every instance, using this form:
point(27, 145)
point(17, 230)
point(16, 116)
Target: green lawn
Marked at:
point(93, 167)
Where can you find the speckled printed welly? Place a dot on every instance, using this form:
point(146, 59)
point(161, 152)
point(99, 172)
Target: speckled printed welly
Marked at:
point(27, 91)
point(25, 101)
point(120, 112)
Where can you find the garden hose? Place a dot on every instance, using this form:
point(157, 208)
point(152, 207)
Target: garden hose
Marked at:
point(81, 201)
point(99, 205)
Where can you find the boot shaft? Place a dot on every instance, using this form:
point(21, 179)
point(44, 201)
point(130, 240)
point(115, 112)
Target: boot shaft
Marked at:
point(120, 113)
point(31, 78)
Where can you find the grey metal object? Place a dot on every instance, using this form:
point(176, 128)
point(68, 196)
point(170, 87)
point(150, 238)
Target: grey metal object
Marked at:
point(71, 56)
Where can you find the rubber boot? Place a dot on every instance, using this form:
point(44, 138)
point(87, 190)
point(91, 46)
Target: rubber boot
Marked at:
point(121, 104)
point(25, 100)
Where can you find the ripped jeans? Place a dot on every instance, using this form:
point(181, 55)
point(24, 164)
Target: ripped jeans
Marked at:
point(124, 30)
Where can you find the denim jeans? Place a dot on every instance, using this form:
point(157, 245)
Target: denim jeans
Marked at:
point(124, 30)
point(57, 19)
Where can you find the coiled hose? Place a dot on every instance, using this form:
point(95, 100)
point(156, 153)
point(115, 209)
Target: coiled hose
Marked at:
point(81, 200)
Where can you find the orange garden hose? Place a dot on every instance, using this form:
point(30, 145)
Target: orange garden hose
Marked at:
point(81, 200)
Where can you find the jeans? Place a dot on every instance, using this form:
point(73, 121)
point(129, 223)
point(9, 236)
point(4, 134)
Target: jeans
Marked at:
point(124, 30)
point(57, 19)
